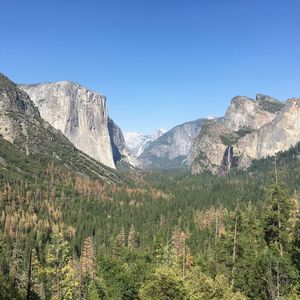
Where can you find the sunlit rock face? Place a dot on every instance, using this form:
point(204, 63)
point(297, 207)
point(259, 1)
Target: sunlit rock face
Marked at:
point(251, 129)
point(79, 113)
point(244, 112)
point(279, 135)
point(171, 149)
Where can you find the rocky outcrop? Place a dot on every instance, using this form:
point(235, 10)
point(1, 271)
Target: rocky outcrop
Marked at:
point(279, 135)
point(171, 149)
point(233, 141)
point(18, 115)
point(79, 113)
point(244, 112)
point(208, 148)
point(121, 153)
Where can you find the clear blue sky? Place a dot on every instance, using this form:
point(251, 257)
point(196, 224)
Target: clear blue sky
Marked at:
point(158, 62)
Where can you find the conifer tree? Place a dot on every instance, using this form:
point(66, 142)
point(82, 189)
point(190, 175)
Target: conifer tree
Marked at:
point(16, 266)
point(276, 220)
point(87, 258)
point(164, 284)
point(131, 238)
point(121, 238)
point(38, 276)
point(278, 269)
point(59, 268)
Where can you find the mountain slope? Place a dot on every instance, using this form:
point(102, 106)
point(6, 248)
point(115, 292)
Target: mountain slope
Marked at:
point(171, 149)
point(35, 142)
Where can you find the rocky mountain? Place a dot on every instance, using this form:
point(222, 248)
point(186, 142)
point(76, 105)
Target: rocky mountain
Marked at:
point(279, 135)
point(19, 117)
point(137, 142)
point(82, 117)
point(34, 141)
point(252, 129)
point(171, 149)
point(121, 153)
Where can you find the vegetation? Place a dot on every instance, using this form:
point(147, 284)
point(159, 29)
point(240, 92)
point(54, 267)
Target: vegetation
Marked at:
point(270, 105)
point(5, 82)
point(161, 235)
point(232, 137)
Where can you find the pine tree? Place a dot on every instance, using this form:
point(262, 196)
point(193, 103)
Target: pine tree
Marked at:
point(131, 238)
point(180, 249)
point(121, 238)
point(164, 284)
point(296, 246)
point(87, 258)
point(16, 266)
point(92, 292)
point(278, 269)
point(59, 268)
point(87, 266)
point(38, 276)
point(276, 220)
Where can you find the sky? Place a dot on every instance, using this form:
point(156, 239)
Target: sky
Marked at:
point(160, 62)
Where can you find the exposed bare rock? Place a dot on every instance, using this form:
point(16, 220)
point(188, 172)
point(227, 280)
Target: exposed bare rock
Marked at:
point(172, 148)
point(236, 140)
point(121, 152)
point(22, 127)
point(279, 135)
point(79, 113)
point(18, 115)
point(244, 112)
point(208, 148)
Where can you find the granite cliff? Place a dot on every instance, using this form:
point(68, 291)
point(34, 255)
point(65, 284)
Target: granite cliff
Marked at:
point(251, 129)
point(121, 153)
point(82, 116)
point(34, 140)
point(171, 149)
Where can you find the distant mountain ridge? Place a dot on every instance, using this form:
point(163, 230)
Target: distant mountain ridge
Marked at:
point(137, 141)
point(171, 149)
point(251, 129)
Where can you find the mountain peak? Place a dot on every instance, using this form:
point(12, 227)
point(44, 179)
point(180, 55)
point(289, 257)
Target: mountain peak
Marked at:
point(158, 133)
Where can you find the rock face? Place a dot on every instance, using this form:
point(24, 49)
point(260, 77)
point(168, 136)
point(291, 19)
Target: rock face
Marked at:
point(207, 150)
point(252, 129)
point(137, 142)
point(171, 149)
point(22, 126)
point(279, 135)
point(243, 112)
point(121, 153)
point(18, 115)
point(79, 113)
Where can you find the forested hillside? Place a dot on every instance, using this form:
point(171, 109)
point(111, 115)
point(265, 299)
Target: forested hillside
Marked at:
point(157, 235)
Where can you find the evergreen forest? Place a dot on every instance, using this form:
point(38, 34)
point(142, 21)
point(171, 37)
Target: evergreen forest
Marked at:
point(151, 234)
